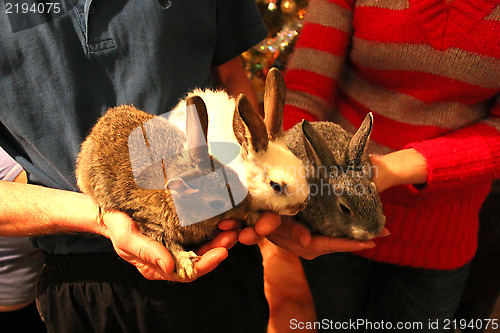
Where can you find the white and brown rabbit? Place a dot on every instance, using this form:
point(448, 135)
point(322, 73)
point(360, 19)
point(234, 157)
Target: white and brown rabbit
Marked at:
point(344, 202)
point(148, 168)
point(275, 178)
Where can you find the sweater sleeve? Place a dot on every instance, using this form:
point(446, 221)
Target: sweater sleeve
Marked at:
point(239, 27)
point(318, 59)
point(465, 156)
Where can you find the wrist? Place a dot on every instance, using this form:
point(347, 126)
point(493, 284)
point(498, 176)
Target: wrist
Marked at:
point(401, 167)
point(99, 227)
point(83, 217)
point(413, 168)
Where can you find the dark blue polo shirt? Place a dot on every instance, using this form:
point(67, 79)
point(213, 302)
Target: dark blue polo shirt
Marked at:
point(60, 73)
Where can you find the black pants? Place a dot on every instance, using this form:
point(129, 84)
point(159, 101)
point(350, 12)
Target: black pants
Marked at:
point(26, 319)
point(354, 294)
point(102, 293)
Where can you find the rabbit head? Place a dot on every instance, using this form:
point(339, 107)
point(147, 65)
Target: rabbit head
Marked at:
point(343, 200)
point(276, 177)
point(255, 148)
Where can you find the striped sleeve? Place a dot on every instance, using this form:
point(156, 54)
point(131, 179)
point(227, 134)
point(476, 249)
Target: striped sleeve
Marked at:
point(464, 156)
point(314, 68)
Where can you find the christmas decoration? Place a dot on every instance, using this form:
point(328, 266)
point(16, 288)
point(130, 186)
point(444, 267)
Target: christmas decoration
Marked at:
point(284, 20)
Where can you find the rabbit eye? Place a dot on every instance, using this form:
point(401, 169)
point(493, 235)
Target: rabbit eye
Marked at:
point(345, 209)
point(276, 187)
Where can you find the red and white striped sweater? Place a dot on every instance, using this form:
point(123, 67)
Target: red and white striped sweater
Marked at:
point(430, 73)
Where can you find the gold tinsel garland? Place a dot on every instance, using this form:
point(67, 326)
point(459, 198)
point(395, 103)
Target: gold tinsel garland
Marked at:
point(284, 20)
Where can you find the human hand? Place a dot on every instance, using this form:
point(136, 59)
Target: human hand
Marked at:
point(266, 224)
point(401, 167)
point(296, 238)
point(151, 258)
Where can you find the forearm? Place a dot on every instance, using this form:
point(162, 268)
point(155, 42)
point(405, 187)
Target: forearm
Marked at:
point(30, 210)
point(235, 81)
point(401, 167)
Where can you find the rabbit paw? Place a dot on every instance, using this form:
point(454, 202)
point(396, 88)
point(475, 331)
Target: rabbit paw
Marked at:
point(184, 264)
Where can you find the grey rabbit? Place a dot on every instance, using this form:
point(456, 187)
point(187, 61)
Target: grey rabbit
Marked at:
point(343, 201)
point(190, 184)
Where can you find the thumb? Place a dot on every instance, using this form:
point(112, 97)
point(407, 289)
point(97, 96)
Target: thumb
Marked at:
point(134, 247)
point(294, 231)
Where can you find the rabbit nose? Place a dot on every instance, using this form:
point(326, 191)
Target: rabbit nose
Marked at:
point(216, 204)
point(301, 206)
point(297, 208)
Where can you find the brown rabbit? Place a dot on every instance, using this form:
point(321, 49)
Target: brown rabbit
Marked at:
point(175, 198)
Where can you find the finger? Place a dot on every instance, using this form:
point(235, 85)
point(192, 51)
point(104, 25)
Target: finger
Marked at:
point(207, 263)
point(153, 253)
point(286, 244)
point(294, 231)
point(135, 247)
point(323, 244)
point(210, 260)
point(225, 239)
point(147, 255)
point(320, 245)
point(153, 273)
point(374, 158)
point(384, 233)
point(229, 224)
point(267, 223)
point(248, 236)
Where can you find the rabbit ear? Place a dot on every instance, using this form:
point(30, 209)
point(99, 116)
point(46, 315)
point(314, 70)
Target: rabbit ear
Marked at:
point(196, 127)
point(274, 103)
point(317, 149)
point(249, 127)
point(358, 144)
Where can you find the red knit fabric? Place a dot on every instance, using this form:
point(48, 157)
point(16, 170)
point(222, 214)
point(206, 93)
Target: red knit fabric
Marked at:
point(430, 73)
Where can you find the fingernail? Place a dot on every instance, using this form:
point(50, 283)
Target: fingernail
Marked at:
point(162, 265)
point(304, 240)
point(384, 233)
point(219, 257)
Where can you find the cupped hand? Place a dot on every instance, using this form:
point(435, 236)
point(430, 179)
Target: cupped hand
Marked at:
point(151, 258)
point(296, 238)
point(266, 224)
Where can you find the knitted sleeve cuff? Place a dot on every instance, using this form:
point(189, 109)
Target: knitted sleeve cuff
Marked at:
point(292, 115)
point(469, 155)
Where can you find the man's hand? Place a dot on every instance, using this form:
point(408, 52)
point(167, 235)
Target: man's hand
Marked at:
point(296, 238)
point(151, 258)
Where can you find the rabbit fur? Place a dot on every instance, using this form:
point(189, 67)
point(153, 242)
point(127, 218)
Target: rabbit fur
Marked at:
point(274, 177)
point(344, 202)
point(259, 164)
point(104, 172)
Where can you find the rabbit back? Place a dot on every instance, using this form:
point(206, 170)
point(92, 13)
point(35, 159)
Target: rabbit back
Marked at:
point(103, 166)
point(104, 172)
